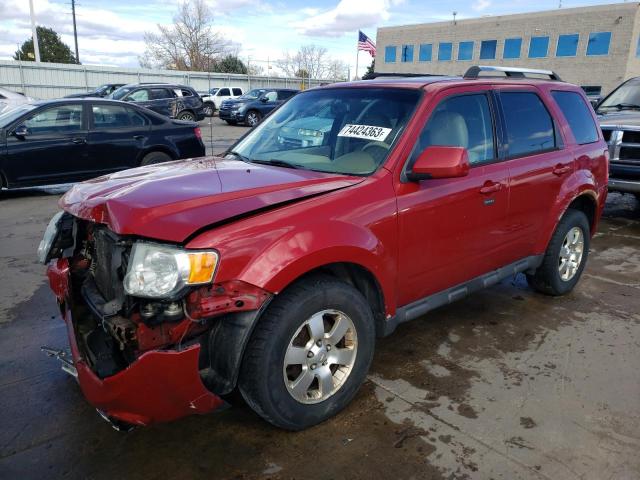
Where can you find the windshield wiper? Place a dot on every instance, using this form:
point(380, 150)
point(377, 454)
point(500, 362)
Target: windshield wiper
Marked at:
point(623, 106)
point(278, 163)
point(239, 155)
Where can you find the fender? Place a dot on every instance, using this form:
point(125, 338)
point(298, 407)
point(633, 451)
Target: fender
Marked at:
point(581, 182)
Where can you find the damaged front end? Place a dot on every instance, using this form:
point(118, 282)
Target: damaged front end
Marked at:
point(152, 336)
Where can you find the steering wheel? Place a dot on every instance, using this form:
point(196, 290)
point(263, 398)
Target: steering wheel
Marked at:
point(376, 144)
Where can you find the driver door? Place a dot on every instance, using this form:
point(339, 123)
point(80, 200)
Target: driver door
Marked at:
point(452, 229)
point(54, 149)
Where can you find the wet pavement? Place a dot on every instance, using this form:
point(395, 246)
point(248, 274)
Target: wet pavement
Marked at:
point(504, 384)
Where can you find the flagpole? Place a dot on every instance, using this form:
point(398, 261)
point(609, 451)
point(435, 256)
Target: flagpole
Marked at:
point(357, 54)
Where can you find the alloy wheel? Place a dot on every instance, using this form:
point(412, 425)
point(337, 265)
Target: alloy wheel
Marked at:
point(252, 119)
point(320, 356)
point(571, 254)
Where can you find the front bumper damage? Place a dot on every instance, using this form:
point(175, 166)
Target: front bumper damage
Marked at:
point(159, 386)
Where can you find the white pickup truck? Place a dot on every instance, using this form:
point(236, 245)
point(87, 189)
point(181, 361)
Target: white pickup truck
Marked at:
point(214, 98)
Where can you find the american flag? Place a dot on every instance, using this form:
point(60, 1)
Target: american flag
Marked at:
point(366, 44)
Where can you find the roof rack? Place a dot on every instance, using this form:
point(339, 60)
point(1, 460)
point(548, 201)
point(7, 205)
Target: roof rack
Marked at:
point(371, 76)
point(513, 72)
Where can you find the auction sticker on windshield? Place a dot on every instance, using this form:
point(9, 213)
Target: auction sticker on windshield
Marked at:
point(367, 132)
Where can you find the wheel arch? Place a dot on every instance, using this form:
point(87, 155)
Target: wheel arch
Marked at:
point(157, 148)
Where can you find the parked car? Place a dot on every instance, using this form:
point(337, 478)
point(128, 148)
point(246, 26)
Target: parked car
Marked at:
point(273, 268)
point(174, 101)
point(251, 107)
point(215, 96)
point(101, 91)
point(619, 115)
point(60, 141)
point(10, 99)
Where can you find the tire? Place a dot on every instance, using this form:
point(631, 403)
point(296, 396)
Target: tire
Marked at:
point(231, 122)
point(155, 157)
point(253, 118)
point(209, 109)
point(266, 382)
point(548, 278)
point(187, 115)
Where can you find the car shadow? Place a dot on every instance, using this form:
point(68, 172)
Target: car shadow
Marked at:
point(35, 191)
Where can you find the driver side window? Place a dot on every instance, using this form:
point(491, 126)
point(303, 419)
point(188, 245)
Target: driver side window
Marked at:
point(271, 96)
point(460, 121)
point(139, 96)
point(60, 119)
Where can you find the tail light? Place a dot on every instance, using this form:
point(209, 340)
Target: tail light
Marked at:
point(198, 133)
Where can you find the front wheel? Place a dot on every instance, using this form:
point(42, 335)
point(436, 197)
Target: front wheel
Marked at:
point(208, 109)
point(309, 353)
point(253, 118)
point(566, 256)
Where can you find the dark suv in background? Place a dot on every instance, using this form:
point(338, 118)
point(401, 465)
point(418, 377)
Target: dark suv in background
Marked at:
point(253, 105)
point(101, 91)
point(172, 100)
point(619, 115)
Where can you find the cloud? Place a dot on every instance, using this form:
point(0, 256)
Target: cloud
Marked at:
point(480, 5)
point(347, 17)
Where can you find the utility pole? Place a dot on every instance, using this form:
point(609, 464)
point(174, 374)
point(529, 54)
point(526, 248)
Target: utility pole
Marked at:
point(75, 32)
point(34, 32)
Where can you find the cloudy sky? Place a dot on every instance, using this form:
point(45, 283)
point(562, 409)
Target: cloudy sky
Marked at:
point(111, 33)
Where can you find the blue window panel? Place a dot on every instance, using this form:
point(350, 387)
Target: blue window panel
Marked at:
point(445, 51)
point(567, 45)
point(599, 43)
point(465, 50)
point(407, 53)
point(512, 47)
point(488, 49)
point(638, 48)
point(538, 47)
point(426, 52)
point(390, 54)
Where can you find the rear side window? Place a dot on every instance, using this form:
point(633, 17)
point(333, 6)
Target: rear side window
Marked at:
point(237, 91)
point(528, 123)
point(186, 93)
point(578, 116)
point(116, 116)
point(161, 94)
point(285, 94)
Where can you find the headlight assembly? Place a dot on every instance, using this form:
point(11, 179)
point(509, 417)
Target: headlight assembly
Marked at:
point(161, 271)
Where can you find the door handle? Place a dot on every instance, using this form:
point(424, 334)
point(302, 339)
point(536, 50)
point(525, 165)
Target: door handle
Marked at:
point(79, 141)
point(490, 187)
point(561, 169)
point(138, 137)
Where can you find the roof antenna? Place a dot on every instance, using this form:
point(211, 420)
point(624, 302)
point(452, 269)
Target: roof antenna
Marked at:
point(454, 17)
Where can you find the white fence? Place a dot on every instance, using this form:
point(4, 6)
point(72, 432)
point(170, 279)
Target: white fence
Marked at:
point(54, 80)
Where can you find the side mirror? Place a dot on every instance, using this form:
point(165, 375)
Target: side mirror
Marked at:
point(264, 99)
point(440, 162)
point(21, 131)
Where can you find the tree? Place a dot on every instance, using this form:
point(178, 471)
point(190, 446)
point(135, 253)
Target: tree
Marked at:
point(337, 70)
point(229, 64)
point(52, 48)
point(370, 70)
point(311, 59)
point(190, 43)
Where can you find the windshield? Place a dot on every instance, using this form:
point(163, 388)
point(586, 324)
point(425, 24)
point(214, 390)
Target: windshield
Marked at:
point(253, 94)
point(12, 114)
point(626, 96)
point(101, 89)
point(121, 92)
point(337, 130)
point(213, 91)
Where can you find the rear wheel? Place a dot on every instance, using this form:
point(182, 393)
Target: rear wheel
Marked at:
point(187, 115)
point(309, 353)
point(208, 109)
point(253, 118)
point(565, 257)
point(155, 157)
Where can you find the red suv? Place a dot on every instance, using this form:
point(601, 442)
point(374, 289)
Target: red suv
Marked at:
point(273, 268)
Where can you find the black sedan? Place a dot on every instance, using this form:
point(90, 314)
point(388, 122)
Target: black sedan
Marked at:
point(60, 141)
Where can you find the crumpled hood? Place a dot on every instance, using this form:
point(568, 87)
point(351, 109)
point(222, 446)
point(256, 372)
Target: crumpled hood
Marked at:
point(171, 201)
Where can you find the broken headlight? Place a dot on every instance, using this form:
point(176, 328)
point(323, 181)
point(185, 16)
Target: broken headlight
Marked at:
point(161, 271)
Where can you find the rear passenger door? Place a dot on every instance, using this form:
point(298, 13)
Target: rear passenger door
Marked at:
point(117, 135)
point(538, 161)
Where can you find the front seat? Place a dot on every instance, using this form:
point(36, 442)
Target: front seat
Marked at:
point(446, 129)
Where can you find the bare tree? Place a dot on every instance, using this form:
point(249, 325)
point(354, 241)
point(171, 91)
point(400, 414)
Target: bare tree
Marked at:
point(311, 59)
point(337, 70)
point(190, 43)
